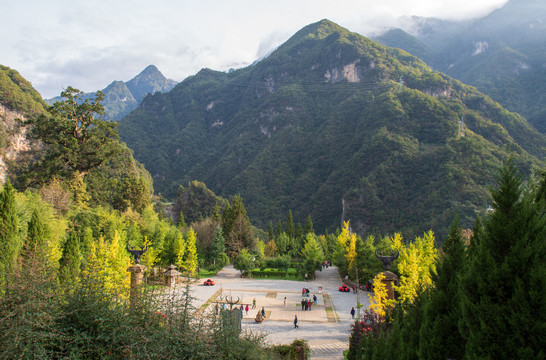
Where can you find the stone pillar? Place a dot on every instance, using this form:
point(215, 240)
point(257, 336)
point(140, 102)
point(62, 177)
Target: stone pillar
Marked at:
point(137, 273)
point(389, 280)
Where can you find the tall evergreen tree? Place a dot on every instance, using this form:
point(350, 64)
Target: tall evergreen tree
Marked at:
point(10, 245)
point(278, 230)
point(308, 226)
point(290, 227)
point(218, 245)
point(270, 234)
point(503, 288)
point(439, 334)
point(36, 243)
point(71, 260)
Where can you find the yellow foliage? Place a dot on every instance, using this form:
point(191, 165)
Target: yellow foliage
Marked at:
point(151, 256)
point(106, 270)
point(271, 248)
point(379, 301)
point(415, 263)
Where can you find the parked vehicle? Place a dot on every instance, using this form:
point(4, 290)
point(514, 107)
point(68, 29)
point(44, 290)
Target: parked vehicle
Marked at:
point(208, 282)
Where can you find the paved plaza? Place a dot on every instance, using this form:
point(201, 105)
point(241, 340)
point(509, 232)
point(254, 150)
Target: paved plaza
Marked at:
point(326, 326)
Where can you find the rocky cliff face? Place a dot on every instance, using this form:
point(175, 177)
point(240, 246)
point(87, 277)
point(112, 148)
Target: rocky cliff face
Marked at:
point(14, 140)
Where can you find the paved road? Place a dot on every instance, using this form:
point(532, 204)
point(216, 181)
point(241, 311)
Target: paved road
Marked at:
point(326, 327)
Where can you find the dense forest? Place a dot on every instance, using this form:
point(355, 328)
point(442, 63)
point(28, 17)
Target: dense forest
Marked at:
point(336, 126)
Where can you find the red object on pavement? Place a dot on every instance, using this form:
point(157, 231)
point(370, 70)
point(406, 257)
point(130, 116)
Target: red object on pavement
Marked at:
point(208, 282)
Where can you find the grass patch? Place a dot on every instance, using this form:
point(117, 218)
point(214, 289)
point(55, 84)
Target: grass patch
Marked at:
point(272, 273)
point(206, 273)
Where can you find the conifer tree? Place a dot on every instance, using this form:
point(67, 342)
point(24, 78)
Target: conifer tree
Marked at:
point(215, 216)
point(309, 226)
point(503, 288)
point(71, 260)
point(10, 245)
point(278, 230)
point(283, 243)
point(439, 334)
point(36, 243)
point(270, 234)
point(181, 221)
point(290, 228)
point(217, 246)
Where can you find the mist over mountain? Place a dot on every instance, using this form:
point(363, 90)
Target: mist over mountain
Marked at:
point(337, 126)
point(120, 98)
point(502, 54)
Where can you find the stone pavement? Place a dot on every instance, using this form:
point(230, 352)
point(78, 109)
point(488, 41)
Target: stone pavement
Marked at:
point(326, 327)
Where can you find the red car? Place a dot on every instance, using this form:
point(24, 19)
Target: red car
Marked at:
point(208, 282)
point(344, 288)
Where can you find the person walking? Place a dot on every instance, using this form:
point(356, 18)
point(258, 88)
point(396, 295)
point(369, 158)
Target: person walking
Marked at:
point(315, 299)
point(296, 322)
point(285, 301)
point(263, 312)
point(353, 312)
point(246, 309)
point(254, 303)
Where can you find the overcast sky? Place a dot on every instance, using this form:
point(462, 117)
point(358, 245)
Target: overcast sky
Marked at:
point(89, 44)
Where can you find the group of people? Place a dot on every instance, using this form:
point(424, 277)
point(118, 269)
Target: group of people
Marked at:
point(306, 304)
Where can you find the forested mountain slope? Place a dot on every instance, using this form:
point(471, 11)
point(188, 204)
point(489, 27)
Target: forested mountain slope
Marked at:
point(337, 126)
point(502, 54)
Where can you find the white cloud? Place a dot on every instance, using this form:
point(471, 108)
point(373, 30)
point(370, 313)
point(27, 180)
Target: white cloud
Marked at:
point(89, 44)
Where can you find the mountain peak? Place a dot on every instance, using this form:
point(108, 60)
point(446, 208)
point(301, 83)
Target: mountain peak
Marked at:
point(151, 70)
point(319, 30)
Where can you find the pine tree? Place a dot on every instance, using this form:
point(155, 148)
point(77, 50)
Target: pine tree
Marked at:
point(278, 230)
point(217, 246)
point(10, 244)
point(290, 228)
point(270, 234)
point(71, 260)
point(309, 226)
point(503, 288)
point(439, 334)
point(36, 243)
point(181, 221)
point(215, 216)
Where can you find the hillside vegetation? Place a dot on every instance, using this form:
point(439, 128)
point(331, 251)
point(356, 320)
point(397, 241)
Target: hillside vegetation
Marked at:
point(337, 126)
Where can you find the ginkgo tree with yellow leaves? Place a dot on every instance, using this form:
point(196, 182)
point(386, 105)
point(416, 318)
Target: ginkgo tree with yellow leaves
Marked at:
point(414, 265)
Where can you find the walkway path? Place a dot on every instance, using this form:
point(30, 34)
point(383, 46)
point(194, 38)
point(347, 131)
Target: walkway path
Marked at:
point(326, 327)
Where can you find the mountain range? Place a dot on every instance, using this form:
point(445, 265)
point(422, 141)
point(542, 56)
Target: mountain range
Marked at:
point(120, 98)
point(502, 54)
point(334, 125)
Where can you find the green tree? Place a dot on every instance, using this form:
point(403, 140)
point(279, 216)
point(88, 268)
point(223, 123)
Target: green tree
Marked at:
point(312, 254)
point(290, 228)
point(439, 333)
point(71, 260)
point(74, 138)
point(503, 286)
point(270, 234)
point(36, 241)
point(10, 244)
point(217, 247)
point(308, 226)
point(190, 255)
point(283, 243)
point(244, 262)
